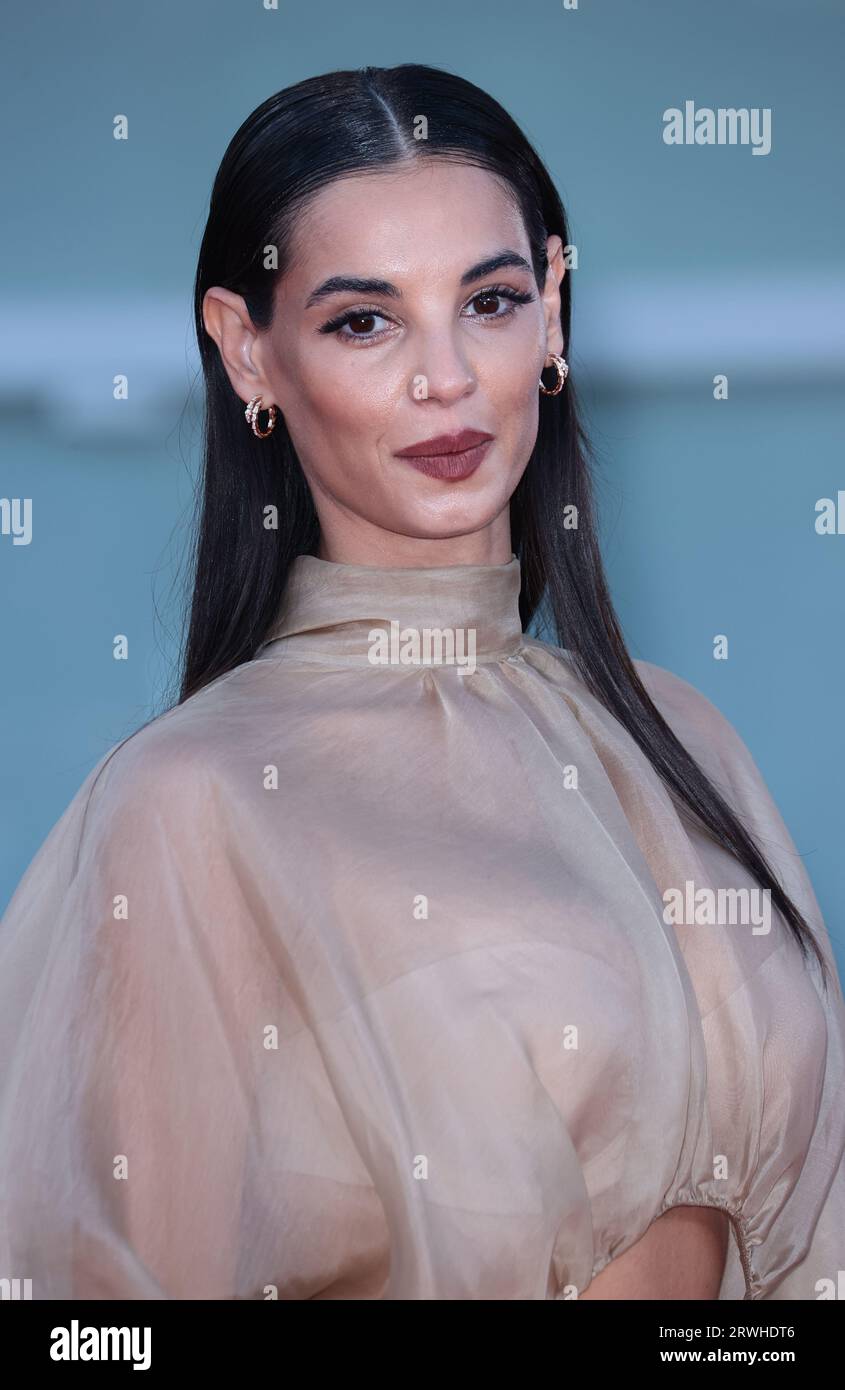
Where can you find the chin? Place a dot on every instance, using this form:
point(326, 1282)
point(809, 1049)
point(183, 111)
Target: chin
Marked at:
point(453, 509)
point(448, 521)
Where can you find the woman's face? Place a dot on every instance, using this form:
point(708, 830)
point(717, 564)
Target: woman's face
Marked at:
point(442, 343)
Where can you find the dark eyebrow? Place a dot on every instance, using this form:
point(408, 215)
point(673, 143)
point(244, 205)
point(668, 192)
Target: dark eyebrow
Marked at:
point(353, 284)
point(501, 261)
point(337, 284)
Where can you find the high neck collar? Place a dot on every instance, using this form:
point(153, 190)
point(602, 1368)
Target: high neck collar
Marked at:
point(330, 611)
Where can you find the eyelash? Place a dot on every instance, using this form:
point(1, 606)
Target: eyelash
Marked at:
point(517, 298)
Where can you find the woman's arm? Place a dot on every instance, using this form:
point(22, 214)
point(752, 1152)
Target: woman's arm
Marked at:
point(126, 1096)
point(681, 1255)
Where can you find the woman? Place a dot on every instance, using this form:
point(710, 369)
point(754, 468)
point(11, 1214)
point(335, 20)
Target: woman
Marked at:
point(368, 970)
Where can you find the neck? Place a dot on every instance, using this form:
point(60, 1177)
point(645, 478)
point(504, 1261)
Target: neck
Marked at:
point(372, 546)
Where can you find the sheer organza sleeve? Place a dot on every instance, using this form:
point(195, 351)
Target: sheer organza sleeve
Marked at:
point(723, 754)
point(124, 1099)
point(773, 1046)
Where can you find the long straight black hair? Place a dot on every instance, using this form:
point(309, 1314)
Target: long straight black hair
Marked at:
point(292, 146)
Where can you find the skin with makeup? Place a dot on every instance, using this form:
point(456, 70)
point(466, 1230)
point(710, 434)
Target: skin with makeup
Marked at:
point(405, 353)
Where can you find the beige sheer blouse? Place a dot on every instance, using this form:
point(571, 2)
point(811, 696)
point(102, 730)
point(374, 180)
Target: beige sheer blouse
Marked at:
point(351, 977)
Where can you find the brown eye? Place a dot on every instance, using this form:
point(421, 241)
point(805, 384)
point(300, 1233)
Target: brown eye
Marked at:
point(497, 303)
point(362, 323)
point(486, 299)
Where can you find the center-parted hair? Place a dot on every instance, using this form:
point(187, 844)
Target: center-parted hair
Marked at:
point(339, 125)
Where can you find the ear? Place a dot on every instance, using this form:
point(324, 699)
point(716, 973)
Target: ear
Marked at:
point(551, 295)
point(228, 322)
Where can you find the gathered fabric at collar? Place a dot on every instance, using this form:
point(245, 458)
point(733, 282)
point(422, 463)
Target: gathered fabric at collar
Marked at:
point(442, 615)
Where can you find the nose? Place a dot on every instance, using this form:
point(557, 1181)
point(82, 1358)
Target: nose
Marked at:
point(443, 371)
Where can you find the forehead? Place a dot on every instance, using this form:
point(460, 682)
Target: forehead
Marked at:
point(404, 224)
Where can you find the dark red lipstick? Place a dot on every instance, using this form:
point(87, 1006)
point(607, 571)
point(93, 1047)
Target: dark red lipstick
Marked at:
point(448, 456)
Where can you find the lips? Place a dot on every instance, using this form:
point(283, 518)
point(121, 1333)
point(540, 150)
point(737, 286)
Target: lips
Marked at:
point(444, 444)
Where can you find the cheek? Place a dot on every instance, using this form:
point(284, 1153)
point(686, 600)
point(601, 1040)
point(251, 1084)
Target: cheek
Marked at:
point(512, 383)
point(343, 399)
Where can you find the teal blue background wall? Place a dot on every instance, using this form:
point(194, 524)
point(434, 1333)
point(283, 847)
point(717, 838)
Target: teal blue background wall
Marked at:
point(692, 262)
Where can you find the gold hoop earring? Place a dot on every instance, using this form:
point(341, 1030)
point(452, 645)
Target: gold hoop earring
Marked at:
point(251, 414)
point(562, 368)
